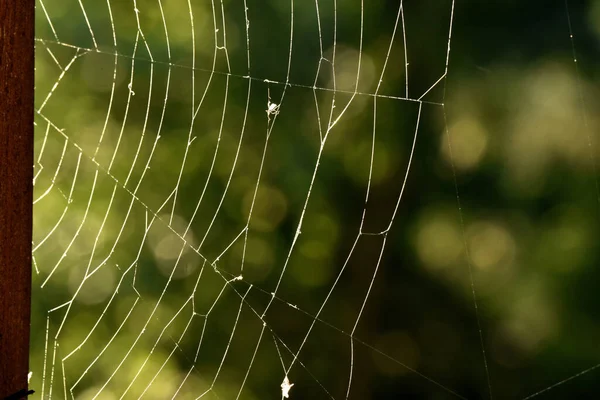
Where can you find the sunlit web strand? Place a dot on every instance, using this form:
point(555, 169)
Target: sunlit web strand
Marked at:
point(254, 78)
point(460, 213)
point(584, 113)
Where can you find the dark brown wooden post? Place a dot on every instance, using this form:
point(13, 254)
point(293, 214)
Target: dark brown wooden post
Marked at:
point(16, 175)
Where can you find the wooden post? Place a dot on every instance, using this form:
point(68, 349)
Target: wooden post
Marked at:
point(16, 191)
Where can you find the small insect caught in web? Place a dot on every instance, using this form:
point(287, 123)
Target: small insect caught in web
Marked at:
point(272, 108)
point(285, 387)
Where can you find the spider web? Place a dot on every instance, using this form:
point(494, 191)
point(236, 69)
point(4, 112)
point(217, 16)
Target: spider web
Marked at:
point(217, 186)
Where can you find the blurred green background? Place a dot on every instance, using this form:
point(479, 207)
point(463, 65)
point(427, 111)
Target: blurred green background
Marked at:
point(160, 178)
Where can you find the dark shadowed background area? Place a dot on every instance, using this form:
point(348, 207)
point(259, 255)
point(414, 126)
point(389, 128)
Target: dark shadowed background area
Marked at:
point(229, 193)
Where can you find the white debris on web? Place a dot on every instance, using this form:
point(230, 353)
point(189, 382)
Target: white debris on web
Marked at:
point(29, 376)
point(285, 387)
